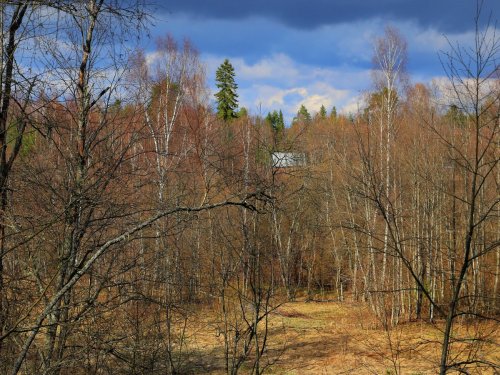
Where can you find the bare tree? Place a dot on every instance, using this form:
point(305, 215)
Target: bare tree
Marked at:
point(390, 60)
point(461, 166)
point(12, 19)
point(71, 58)
point(473, 75)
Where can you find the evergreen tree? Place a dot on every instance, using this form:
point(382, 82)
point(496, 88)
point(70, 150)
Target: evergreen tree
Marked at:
point(281, 121)
point(333, 113)
point(227, 98)
point(243, 112)
point(455, 116)
point(276, 121)
point(277, 124)
point(322, 112)
point(270, 118)
point(303, 114)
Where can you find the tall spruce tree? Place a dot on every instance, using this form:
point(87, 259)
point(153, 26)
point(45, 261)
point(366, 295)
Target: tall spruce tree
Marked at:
point(281, 121)
point(322, 112)
point(333, 113)
point(303, 115)
point(227, 98)
point(277, 123)
point(275, 119)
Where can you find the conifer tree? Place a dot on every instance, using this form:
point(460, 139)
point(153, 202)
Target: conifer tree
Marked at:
point(281, 121)
point(227, 98)
point(275, 119)
point(277, 124)
point(322, 112)
point(333, 113)
point(243, 112)
point(270, 118)
point(303, 114)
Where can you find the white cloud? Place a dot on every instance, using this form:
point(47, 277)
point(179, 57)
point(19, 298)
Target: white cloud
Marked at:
point(462, 92)
point(271, 96)
point(152, 58)
point(277, 82)
point(353, 106)
point(278, 66)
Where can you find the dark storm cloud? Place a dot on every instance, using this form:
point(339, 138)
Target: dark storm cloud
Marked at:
point(443, 15)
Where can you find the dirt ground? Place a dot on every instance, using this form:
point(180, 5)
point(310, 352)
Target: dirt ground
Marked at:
point(341, 338)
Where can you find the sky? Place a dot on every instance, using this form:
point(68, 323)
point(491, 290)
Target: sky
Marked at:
point(315, 52)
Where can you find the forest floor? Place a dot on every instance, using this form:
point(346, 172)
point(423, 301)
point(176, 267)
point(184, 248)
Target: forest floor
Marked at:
point(339, 338)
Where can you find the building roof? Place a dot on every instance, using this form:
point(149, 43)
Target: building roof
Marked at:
point(288, 159)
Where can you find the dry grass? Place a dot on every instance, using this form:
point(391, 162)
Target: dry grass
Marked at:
point(336, 338)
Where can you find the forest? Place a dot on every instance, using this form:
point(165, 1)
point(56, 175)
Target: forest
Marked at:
point(146, 230)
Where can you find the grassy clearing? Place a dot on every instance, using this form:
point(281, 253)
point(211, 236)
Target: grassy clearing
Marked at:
point(336, 338)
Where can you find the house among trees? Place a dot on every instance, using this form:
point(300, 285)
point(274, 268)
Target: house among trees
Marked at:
point(288, 159)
